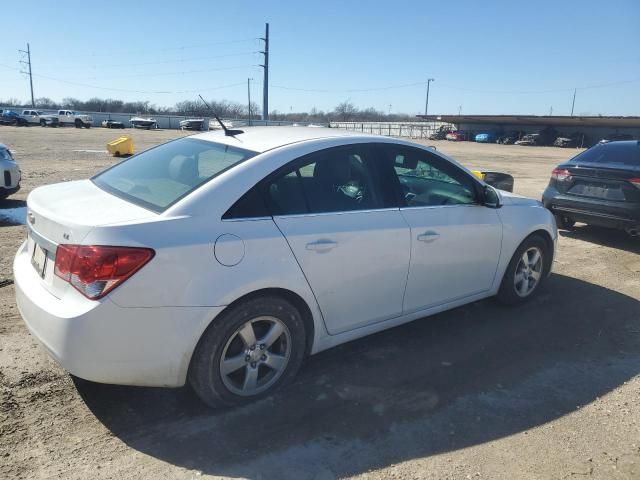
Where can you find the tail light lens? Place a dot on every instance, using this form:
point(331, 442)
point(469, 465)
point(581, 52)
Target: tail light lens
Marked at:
point(635, 182)
point(560, 174)
point(95, 270)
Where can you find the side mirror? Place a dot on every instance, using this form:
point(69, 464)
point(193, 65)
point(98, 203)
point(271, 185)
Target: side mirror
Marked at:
point(490, 198)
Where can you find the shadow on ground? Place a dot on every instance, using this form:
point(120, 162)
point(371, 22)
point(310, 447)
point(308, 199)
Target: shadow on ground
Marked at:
point(607, 237)
point(12, 212)
point(464, 377)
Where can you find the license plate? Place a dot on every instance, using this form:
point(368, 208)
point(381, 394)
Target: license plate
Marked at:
point(39, 259)
point(598, 192)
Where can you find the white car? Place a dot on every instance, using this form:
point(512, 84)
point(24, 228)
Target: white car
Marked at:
point(32, 116)
point(10, 173)
point(225, 259)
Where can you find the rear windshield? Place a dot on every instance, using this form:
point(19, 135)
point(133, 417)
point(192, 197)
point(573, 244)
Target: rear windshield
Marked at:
point(157, 178)
point(612, 153)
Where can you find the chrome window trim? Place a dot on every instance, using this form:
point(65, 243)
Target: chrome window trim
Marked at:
point(442, 206)
point(246, 219)
point(342, 212)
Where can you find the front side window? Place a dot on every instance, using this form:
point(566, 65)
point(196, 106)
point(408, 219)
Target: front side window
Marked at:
point(338, 179)
point(427, 180)
point(161, 176)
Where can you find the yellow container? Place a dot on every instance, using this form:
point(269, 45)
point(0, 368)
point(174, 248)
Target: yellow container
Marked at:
point(478, 174)
point(121, 146)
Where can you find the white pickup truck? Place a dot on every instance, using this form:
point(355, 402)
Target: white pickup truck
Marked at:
point(69, 117)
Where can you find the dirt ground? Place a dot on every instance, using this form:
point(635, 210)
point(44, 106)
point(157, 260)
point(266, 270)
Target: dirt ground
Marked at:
point(548, 390)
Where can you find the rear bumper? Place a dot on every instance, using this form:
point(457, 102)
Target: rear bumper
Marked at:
point(604, 213)
point(102, 342)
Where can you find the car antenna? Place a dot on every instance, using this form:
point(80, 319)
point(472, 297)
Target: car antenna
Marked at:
point(227, 132)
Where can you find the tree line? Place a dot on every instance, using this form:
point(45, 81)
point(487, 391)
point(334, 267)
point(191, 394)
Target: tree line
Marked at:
point(345, 111)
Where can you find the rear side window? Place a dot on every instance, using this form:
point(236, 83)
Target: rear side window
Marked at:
point(613, 153)
point(333, 180)
point(157, 178)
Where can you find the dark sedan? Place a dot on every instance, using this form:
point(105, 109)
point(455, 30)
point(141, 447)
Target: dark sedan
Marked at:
point(600, 186)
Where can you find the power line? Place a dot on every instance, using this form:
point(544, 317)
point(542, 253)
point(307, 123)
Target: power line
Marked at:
point(179, 72)
point(163, 62)
point(166, 49)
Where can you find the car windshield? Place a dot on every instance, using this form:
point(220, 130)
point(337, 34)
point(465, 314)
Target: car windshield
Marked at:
point(614, 153)
point(159, 177)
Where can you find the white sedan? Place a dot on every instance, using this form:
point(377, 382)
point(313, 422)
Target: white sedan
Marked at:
point(10, 173)
point(225, 259)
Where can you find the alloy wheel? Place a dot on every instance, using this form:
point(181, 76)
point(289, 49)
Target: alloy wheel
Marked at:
point(528, 272)
point(255, 356)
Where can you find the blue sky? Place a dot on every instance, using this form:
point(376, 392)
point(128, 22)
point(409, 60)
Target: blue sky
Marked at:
point(493, 57)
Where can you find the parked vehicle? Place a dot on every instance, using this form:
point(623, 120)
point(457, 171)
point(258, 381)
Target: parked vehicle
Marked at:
point(112, 124)
point(233, 255)
point(459, 136)
point(9, 117)
point(11, 174)
point(441, 133)
point(600, 186)
point(510, 138)
point(616, 137)
point(68, 118)
point(544, 137)
point(529, 139)
point(145, 123)
point(486, 137)
point(32, 117)
point(192, 124)
point(574, 140)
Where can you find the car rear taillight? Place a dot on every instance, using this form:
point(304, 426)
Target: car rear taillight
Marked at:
point(95, 270)
point(635, 182)
point(560, 174)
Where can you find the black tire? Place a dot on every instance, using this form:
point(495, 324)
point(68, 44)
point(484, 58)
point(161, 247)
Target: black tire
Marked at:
point(508, 293)
point(205, 376)
point(87, 126)
point(78, 124)
point(564, 222)
point(43, 123)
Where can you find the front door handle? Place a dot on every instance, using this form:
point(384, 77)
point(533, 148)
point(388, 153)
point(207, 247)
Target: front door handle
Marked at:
point(428, 236)
point(322, 245)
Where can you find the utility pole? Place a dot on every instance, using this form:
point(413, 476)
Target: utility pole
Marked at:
point(573, 104)
point(265, 84)
point(426, 106)
point(28, 63)
point(459, 110)
point(249, 97)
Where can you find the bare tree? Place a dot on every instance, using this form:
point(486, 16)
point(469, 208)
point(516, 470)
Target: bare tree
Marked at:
point(345, 111)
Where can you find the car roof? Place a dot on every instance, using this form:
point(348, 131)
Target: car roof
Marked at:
point(261, 139)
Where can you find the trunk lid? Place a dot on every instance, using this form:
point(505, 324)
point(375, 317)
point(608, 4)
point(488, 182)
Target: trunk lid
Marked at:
point(66, 213)
point(606, 183)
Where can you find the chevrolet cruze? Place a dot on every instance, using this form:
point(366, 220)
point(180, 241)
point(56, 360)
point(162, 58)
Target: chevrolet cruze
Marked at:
point(224, 259)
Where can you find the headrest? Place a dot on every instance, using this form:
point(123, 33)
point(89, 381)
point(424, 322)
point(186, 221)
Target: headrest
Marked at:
point(333, 171)
point(184, 170)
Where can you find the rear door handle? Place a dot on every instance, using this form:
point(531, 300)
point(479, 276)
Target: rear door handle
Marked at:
point(322, 245)
point(428, 236)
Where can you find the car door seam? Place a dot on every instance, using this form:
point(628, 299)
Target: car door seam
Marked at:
point(303, 274)
point(406, 282)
